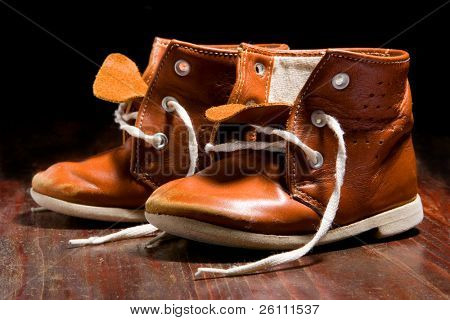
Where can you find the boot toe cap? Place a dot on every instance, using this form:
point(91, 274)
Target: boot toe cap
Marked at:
point(254, 204)
point(59, 181)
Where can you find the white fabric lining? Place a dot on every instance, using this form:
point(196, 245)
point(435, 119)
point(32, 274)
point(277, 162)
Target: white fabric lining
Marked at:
point(289, 75)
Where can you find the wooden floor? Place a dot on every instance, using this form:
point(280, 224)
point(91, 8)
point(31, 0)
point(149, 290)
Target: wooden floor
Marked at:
point(35, 262)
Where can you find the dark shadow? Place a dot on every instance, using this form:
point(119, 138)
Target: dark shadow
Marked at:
point(182, 250)
point(366, 238)
point(53, 220)
point(433, 156)
point(281, 268)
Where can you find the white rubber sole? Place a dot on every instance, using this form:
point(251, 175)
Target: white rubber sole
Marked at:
point(388, 223)
point(88, 212)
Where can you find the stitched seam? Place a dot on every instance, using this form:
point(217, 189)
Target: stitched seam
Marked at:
point(234, 92)
point(294, 54)
point(144, 111)
point(298, 109)
point(378, 54)
point(293, 175)
point(162, 64)
point(312, 81)
point(308, 199)
point(367, 60)
point(160, 43)
point(147, 98)
point(269, 77)
point(238, 80)
point(242, 74)
point(164, 43)
point(208, 52)
point(145, 177)
point(318, 53)
point(154, 54)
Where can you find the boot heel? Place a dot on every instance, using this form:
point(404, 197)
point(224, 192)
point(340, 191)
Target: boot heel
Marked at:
point(412, 218)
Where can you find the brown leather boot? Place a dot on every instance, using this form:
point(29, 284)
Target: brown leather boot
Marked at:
point(348, 165)
point(114, 185)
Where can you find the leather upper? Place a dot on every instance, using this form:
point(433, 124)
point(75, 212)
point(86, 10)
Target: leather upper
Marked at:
point(105, 179)
point(248, 199)
point(210, 82)
point(374, 111)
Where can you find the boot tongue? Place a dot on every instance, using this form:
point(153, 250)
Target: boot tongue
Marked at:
point(261, 114)
point(119, 80)
point(235, 124)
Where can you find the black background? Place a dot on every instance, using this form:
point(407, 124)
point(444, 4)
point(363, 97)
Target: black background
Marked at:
point(47, 102)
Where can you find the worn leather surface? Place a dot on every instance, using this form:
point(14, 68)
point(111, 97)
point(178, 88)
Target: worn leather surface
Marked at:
point(249, 199)
point(211, 78)
point(210, 83)
point(105, 180)
point(375, 114)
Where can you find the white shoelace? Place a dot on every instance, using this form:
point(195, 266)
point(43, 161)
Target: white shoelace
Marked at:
point(156, 140)
point(330, 211)
point(144, 230)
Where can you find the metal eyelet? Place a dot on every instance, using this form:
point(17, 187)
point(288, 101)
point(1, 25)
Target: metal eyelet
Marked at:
point(182, 68)
point(319, 161)
point(340, 81)
point(260, 69)
point(318, 118)
point(165, 103)
point(160, 140)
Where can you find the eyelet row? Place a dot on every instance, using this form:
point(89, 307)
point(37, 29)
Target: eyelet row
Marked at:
point(182, 68)
point(162, 139)
point(318, 118)
point(340, 81)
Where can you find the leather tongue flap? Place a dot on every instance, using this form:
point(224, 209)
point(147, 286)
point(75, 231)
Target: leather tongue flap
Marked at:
point(119, 80)
point(261, 114)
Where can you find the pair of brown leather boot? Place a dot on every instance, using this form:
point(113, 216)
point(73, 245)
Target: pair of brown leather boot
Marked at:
point(253, 146)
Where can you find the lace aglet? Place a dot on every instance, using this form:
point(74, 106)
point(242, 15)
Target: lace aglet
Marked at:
point(156, 240)
point(201, 271)
point(151, 243)
point(198, 274)
point(81, 242)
